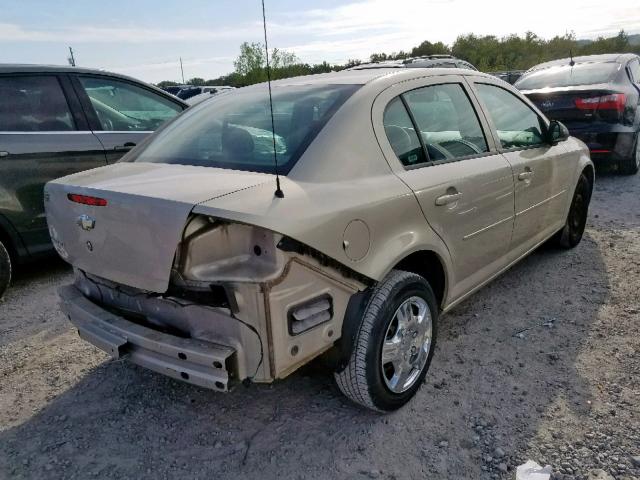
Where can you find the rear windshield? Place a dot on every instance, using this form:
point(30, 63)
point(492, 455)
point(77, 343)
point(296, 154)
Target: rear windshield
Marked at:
point(234, 130)
point(568, 76)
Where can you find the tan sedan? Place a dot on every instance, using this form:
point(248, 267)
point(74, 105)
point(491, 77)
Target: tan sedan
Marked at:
point(401, 193)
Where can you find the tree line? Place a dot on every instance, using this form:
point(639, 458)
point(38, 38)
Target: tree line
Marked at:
point(488, 53)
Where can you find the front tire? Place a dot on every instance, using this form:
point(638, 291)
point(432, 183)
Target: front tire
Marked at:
point(573, 229)
point(394, 344)
point(631, 165)
point(5, 269)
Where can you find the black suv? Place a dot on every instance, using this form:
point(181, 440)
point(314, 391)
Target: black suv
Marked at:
point(55, 121)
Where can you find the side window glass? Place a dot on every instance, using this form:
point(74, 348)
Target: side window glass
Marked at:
point(517, 124)
point(401, 134)
point(33, 104)
point(121, 106)
point(447, 121)
point(634, 67)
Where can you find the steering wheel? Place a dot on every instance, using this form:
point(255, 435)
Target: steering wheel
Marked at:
point(398, 138)
point(442, 148)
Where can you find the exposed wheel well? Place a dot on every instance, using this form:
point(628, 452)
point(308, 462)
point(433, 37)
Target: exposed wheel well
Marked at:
point(428, 265)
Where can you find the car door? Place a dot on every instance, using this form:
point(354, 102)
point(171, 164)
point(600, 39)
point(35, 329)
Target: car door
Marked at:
point(542, 171)
point(43, 135)
point(464, 187)
point(122, 113)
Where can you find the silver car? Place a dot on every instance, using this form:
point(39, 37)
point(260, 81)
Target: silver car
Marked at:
point(400, 193)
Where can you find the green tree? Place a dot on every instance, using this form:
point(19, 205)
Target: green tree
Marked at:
point(166, 83)
point(428, 48)
point(196, 81)
point(251, 58)
point(378, 57)
point(488, 53)
point(282, 59)
point(250, 66)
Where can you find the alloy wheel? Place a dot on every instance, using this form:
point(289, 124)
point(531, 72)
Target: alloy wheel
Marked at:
point(406, 345)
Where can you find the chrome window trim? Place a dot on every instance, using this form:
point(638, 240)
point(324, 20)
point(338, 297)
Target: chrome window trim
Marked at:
point(67, 132)
point(45, 132)
point(123, 131)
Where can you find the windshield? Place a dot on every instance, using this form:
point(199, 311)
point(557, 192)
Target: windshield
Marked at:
point(568, 76)
point(234, 130)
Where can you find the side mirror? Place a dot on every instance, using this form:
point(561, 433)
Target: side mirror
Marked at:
point(557, 132)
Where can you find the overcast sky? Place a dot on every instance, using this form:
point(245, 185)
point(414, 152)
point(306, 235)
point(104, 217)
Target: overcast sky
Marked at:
point(145, 38)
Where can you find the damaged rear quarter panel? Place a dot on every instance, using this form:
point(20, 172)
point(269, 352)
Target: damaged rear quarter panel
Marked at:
point(317, 215)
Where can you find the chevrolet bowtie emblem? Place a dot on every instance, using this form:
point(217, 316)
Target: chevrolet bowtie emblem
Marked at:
point(86, 222)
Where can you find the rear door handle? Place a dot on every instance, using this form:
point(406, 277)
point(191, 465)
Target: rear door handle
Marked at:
point(124, 148)
point(448, 198)
point(526, 175)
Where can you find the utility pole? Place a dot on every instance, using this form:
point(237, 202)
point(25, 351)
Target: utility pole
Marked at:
point(72, 60)
point(182, 70)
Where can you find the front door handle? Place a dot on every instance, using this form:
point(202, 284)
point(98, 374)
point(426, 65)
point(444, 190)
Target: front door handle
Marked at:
point(526, 175)
point(448, 198)
point(124, 148)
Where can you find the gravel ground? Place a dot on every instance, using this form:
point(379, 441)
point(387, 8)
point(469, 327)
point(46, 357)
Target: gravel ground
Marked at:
point(542, 364)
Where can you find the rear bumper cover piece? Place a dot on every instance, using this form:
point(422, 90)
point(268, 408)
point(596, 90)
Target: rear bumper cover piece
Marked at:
point(607, 145)
point(194, 361)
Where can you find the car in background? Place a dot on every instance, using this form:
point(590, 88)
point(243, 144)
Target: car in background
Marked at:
point(509, 76)
point(425, 61)
point(597, 98)
point(55, 121)
point(243, 241)
point(437, 61)
point(174, 89)
point(188, 92)
point(208, 92)
point(191, 91)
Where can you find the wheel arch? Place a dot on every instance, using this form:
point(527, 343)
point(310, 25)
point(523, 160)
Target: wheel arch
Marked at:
point(11, 240)
point(429, 265)
point(584, 165)
point(424, 262)
point(589, 171)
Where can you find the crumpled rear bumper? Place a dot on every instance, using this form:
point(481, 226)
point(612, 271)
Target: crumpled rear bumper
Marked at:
point(199, 362)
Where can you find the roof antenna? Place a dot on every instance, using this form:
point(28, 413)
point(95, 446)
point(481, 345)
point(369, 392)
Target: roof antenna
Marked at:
point(571, 63)
point(278, 193)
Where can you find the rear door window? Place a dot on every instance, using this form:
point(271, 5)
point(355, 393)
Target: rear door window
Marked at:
point(33, 103)
point(447, 122)
point(517, 125)
point(122, 106)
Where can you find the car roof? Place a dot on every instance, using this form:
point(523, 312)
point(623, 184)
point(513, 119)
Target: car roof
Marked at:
point(369, 75)
point(35, 68)
point(603, 58)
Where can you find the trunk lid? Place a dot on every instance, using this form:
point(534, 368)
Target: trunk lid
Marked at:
point(132, 239)
point(560, 103)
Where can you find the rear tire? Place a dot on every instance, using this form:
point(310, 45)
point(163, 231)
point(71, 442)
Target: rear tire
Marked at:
point(573, 229)
point(5, 269)
point(400, 323)
point(631, 165)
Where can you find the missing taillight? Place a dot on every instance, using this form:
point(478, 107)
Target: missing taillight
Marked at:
point(87, 200)
point(613, 101)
